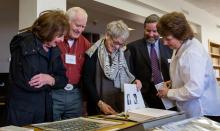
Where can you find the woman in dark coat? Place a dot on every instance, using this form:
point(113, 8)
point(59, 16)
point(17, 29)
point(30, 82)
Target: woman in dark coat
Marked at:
point(35, 69)
point(106, 71)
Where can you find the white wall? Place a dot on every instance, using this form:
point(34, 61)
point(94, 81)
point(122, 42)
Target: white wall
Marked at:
point(9, 23)
point(29, 10)
point(27, 13)
point(9, 19)
point(207, 21)
point(8, 28)
point(98, 18)
point(50, 4)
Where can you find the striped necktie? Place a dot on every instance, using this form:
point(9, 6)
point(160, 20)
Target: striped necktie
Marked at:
point(156, 75)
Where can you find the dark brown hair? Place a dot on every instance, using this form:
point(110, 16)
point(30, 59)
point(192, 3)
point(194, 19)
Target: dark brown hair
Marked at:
point(175, 24)
point(49, 24)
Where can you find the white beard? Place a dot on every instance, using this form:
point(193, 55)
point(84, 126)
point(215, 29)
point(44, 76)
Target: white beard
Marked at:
point(151, 41)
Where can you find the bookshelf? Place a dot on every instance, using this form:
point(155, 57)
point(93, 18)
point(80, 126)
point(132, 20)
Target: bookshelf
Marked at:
point(214, 50)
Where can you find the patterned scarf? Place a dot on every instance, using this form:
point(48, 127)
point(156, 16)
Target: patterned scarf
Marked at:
point(117, 70)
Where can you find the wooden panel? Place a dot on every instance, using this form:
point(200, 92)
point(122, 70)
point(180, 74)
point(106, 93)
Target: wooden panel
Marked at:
point(215, 61)
point(214, 50)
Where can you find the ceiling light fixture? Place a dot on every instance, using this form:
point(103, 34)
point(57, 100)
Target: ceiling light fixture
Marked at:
point(130, 29)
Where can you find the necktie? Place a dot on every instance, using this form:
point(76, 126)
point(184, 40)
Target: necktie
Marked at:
point(156, 75)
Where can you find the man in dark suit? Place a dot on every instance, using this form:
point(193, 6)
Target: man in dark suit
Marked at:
point(141, 63)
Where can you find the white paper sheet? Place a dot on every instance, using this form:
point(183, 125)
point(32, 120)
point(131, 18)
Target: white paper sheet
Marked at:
point(166, 102)
point(192, 124)
point(132, 97)
point(15, 128)
point(145, 114)
point(153, 112)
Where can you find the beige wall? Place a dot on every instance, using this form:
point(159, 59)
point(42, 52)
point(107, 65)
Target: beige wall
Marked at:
point(8, 28)
point(141, 8)
point(203, 19)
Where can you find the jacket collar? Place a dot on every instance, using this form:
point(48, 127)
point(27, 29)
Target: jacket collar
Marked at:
point(183, 47)
point(55, 52)
point(94, 47)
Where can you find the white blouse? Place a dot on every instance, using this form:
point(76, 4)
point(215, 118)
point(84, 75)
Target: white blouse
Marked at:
point(194, 86)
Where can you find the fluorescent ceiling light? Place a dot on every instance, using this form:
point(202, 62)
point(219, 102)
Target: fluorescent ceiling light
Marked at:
point(130, 29)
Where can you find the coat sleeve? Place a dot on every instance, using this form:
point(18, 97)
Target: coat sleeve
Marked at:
point(192, 67)
point(89, 78)
point(59, 74)
point(20, 66)
point(129, 59)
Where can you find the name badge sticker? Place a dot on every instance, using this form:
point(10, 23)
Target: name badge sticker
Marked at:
point(169, 60)
point(70, 59)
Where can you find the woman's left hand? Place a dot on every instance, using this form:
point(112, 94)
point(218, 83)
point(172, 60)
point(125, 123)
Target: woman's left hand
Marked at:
point(40, 80)
point(138, 84)
point(162, 93)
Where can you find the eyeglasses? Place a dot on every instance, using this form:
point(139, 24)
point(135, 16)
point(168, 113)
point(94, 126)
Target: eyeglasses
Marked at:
point(118, 41)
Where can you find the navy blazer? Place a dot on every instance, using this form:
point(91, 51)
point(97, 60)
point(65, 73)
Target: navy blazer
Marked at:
point(28, 105)
point(140, 66)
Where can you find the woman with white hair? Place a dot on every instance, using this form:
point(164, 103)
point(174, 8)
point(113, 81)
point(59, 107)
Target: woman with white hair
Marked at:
point(106, 71)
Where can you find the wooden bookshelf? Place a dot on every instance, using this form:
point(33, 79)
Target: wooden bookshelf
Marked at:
point(214, 50)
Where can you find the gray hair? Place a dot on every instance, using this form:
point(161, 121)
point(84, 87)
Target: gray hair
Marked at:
point(71, 12)
point(151, 19)
point(116, 29)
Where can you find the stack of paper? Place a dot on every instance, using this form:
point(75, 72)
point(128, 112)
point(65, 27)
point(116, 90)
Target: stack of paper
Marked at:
point(135, 107)
point(193, 124)
point(144, 114)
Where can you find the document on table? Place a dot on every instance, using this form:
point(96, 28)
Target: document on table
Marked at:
point(135, 107)
point(15, 128)
point(153, 112)
point(192, 124)
point(144, 114)
point(132, 97)
point(167, 102)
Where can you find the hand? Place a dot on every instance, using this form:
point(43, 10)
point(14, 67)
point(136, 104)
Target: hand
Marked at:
point(162, 93)
point(106, 109)
point(138, 84)
point(40, 80)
